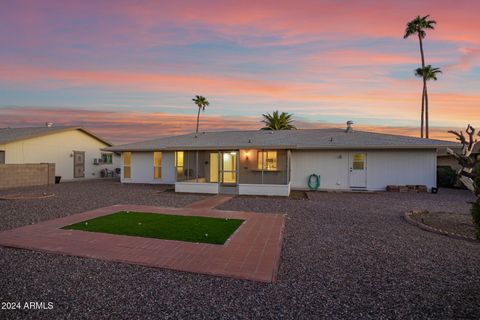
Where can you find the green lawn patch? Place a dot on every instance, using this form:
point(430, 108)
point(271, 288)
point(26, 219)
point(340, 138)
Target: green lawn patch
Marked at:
point(162, 226)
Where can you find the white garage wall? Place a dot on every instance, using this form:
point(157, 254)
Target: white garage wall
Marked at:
point(400, 167)
point(142, 168)
point(57, 148)
point(331, 166)
point(415, 167)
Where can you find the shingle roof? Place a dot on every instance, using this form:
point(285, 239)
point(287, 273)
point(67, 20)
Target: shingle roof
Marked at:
point(8, 135)
point(286, 139)
point(443, 151)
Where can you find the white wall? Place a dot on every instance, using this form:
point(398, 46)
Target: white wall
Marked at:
point(57, 148)
point(142, 168)
point(264, 189)
point(196, 187)
point(398, 167)
point(401, 168)
point(331, 166)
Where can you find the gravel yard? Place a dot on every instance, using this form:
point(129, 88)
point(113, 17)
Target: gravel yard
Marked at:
point(345, 255)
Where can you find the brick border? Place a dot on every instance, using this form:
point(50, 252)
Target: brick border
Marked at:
point(423, 226)
point(252, 252)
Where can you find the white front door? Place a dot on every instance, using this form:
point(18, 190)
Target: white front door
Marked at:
point(358, 169)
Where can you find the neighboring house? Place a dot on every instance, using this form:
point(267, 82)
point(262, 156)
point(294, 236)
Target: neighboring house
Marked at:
point(75, 151)
point(445, 159)
point(273, 162)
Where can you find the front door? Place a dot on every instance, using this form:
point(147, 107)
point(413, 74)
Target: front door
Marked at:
point(228, 168)
point(228, 172)
point(358, 170)
point(78, 164)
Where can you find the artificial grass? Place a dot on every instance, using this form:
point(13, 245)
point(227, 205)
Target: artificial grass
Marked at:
point(162, 226)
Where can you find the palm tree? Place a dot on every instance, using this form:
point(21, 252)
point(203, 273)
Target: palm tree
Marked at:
point(428, 73)
point(418, 26)
point(275, 121)
point(201, 103)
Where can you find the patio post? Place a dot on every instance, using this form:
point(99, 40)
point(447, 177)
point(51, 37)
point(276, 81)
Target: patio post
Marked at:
point(263, 160)
point(196, 166)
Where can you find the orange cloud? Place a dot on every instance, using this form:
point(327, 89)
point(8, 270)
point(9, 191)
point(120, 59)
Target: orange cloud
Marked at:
point(381, 98)
point(123, 127)
point(54, 78)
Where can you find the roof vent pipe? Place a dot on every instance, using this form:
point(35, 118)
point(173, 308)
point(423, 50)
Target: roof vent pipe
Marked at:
point(349, 126)
point(48, 124)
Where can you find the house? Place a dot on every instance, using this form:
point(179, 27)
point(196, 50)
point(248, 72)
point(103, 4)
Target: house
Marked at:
point(445, 159)
point(274, 162)
point(75, 151)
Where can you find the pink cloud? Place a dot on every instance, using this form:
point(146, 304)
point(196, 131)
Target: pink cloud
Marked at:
point(123, 127)
point(296, 21)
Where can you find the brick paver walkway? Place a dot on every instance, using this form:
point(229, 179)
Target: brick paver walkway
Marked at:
point(252, 252)
point(210, 202)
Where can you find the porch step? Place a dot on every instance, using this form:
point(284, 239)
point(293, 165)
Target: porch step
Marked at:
point(210, 202)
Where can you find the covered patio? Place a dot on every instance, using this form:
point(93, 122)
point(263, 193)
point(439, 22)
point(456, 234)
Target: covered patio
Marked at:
point(241, 171)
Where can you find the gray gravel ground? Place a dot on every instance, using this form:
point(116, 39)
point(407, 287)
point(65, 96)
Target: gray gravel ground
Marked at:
point(344, 256)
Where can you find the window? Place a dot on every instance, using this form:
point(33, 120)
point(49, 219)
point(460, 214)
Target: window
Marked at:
point(269, 159)
point(127, 162)
point(2, 157)
point(358, 161)
point(157, 165)
point(107, 158)
point(179, 164)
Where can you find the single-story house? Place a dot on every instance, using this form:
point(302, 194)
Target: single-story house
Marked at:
point(75, 151)
point(274, 162)
point(446, 159)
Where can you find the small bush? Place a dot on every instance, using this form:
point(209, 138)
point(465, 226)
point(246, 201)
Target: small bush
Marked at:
point(446, 177)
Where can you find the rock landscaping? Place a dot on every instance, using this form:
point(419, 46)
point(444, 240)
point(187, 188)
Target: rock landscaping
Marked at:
point(345, 255)
point(458, 225)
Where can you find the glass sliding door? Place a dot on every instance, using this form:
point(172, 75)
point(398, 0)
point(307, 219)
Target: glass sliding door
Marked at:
point(228, 167)
point(214, 167)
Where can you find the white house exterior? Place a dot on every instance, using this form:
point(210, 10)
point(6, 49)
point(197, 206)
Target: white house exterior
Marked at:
point(75, 151)
point(275, 162)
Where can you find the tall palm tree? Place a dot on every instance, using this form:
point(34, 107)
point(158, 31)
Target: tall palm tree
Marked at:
point(276, 121)
point(201, 103)
point(418, 26)
point(428, 73)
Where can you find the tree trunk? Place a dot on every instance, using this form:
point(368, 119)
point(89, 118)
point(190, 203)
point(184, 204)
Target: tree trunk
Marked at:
point(423, 112)
point(424, 87)
point(198, 119)
point(427, 134)
point(421, 50)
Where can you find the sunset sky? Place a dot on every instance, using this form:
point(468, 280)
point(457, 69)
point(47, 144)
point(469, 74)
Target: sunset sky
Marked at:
point(128, 69)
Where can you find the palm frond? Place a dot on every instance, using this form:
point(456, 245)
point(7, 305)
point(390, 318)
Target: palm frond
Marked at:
point(429, 73)
point(276, 121)
point(418, 26)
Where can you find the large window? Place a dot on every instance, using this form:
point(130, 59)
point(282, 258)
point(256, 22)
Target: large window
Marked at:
point(127, 162)
point(107, 158)
point(267, 160)
point(179, 164)
point(157, 165)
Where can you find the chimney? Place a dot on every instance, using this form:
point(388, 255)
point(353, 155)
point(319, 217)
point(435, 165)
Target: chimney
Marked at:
point(48, 124)
point(349, 126)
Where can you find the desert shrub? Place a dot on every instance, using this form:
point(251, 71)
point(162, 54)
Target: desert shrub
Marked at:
point(446, 177)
